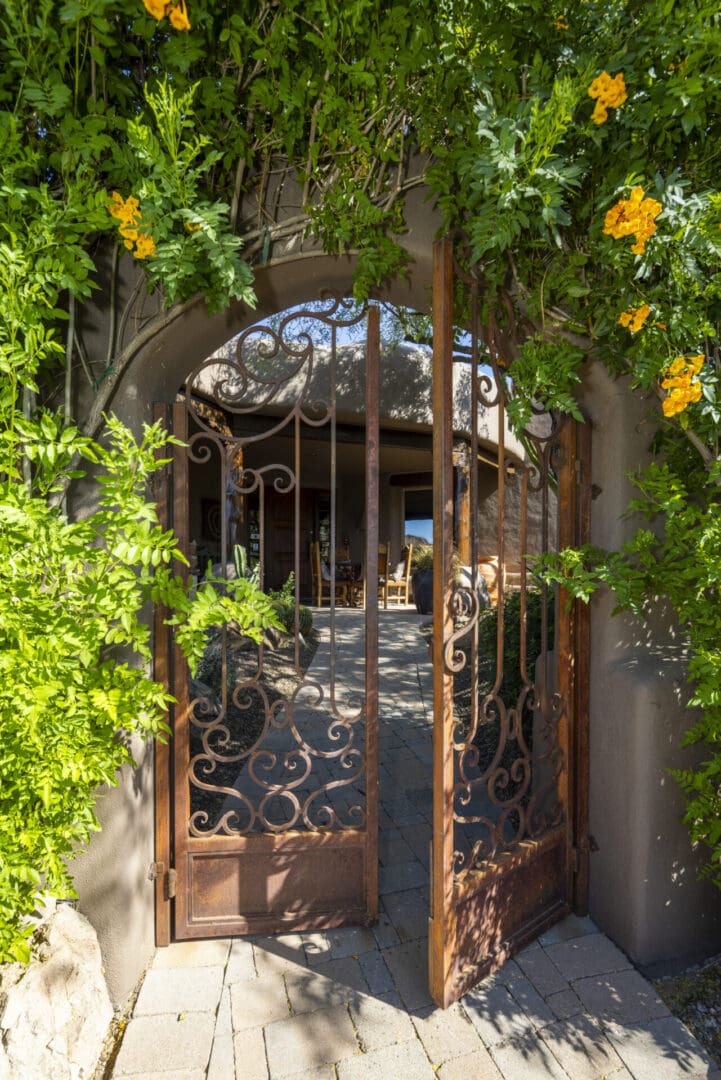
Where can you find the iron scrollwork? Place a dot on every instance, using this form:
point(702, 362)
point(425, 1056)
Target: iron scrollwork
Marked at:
point(263, 761)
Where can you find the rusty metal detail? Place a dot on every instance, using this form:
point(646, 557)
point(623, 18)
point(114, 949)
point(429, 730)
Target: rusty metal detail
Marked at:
point(507, 757)
point(507, 653)
point(264, 758)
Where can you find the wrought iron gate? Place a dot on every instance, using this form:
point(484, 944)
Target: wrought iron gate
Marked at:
point(508, 851)
point(274, 787)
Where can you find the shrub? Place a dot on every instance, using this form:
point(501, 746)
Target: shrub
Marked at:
point(283, 602)
point(72, 597)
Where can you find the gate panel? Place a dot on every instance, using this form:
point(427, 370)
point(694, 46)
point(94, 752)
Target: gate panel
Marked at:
point(275, 782)
point(506, 689)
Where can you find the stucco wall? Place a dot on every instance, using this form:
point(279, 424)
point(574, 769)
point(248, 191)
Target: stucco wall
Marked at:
point(111, 877)
point(643, 887)
point(644, 890)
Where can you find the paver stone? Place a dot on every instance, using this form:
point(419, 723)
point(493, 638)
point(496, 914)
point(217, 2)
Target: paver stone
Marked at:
point(168, 991)
point(479, 1066)
point(581, 1048)
point(624, 996)
point(163, 1042)
point(446, 1033)
point(381, 1022)
point(662, 1049)
point(253, 1004)
point(582, 957)
point(309, 1040)
point(249, 1051)
point(405, 1060)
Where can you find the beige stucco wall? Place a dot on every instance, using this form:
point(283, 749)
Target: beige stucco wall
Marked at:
point(644, 891)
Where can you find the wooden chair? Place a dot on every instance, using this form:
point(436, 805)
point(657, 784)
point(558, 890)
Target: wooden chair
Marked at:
point(321, 583)
point(384, 552)
point(399, 587)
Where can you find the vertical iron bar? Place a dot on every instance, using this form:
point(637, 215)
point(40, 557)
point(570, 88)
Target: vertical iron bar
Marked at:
point(181, 680)
point(441, 923)
point(473, 481)
point(296, 544)
point(565, 634)
point(162, 674)
point(332, 538)
point(523, 543)
point(582, 647)
point(500, 534)
point(371, 613)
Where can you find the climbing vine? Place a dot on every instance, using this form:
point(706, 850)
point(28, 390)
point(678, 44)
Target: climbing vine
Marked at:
point(177, 146)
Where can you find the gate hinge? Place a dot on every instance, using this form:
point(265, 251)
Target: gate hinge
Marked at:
point(157, 871)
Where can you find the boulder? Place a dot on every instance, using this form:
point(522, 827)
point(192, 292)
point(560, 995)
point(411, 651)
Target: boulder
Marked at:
point(55, 1011)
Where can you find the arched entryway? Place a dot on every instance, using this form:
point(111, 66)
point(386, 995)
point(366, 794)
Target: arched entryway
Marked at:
point(258, 842)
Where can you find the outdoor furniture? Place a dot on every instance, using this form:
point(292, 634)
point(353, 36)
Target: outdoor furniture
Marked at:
point(322, 586)
point(399, 580)
point(384, 551)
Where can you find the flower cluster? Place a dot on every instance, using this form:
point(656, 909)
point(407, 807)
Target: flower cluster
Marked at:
point(634, 318)
point(127, 212)
point(176, 12)
point(560, 23)
point(609, 94)
point(634, 216)
point(682, 383)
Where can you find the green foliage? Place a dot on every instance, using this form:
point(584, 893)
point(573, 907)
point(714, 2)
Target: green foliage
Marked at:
point(283, 604)
point(676, 558)
point(352, 106)
point(73, 645)
point(545, 373)
point(514, 634)
point(195, 248)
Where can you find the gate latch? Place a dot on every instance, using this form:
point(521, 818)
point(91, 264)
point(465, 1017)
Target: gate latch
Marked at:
point(157, 871)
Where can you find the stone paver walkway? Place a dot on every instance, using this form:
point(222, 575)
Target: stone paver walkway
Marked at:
point(353, 1003)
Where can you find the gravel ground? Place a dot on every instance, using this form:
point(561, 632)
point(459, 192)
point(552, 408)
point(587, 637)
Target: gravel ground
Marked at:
point(695, 998)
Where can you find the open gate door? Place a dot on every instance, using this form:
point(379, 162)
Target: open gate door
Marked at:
point(508, 851)
point(274, 783)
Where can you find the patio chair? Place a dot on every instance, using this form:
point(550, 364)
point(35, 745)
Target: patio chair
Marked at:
point(399, 580)
point(321, 583)
point(384, 553)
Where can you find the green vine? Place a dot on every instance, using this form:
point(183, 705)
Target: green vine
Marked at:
point(576, 147)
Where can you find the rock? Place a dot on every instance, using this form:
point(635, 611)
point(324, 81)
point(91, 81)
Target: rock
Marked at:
point(55, 1011)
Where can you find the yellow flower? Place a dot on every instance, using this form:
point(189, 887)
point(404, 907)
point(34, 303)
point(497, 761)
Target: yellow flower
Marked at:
point(683, 387)
point(634, 318)
point(125, 210)
point(634, 216)
point(179, 16)
point(145, 246)
point(560, 23)
point(191, 227)
point(610, 93)
point(155, 7)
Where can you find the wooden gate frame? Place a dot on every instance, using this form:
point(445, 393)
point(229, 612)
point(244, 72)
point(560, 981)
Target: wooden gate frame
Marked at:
point(452, 968)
